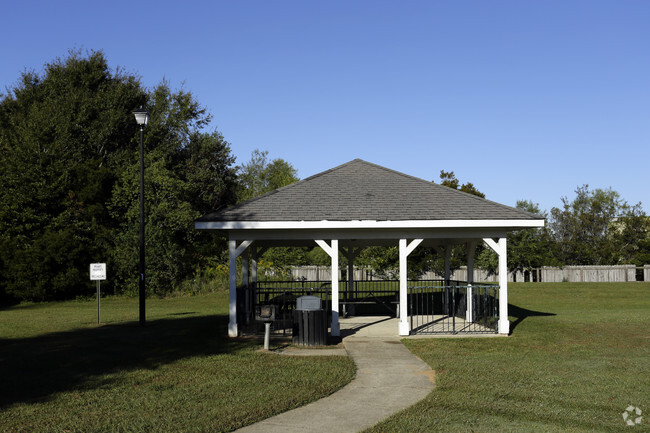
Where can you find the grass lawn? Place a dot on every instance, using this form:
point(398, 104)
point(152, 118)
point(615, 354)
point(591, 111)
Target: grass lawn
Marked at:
point(578, 356)
point(61, 372)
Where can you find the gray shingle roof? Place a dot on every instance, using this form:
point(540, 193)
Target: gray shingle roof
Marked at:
point(359, 190)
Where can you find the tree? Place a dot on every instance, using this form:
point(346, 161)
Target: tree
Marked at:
point(189, 172)
point(530, 248)
point(448, 179)
point(597, 228)
point(630, 233)
point(68, 170)
point(259, 176)
point(62, 138)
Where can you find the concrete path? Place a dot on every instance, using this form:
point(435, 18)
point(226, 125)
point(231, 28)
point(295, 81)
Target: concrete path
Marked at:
point(389, 378)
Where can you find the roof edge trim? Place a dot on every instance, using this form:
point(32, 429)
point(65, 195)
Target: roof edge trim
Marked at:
point(410, 224)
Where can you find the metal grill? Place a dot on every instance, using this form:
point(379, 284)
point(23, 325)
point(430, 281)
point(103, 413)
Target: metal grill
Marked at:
point(283, 295)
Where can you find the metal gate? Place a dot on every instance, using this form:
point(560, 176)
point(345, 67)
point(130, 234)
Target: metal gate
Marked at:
point(453, 309)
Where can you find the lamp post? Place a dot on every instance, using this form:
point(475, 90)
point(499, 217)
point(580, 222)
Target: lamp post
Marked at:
point(142, 117)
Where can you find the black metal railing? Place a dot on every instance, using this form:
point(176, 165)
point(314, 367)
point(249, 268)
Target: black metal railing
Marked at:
point(434, 306)
point(452, 309)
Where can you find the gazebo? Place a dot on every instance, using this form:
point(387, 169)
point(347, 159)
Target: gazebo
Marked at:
point(360, 204)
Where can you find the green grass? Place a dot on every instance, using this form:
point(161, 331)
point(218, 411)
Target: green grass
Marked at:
point(61, 372)
point(579, 354)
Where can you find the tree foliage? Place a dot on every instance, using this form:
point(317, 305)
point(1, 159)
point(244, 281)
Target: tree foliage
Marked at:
point(597, 227)
point(69, 165)
point(448, 179)
point(259, 175)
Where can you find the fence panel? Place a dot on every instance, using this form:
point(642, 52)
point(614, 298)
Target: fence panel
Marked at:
point(587, 274)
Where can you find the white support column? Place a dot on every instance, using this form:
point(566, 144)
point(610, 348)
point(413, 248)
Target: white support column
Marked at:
point(252, 281)
point(245, 269)
point(333, 252)
point(234, 251)
point(405, 249)
point(445, 252)
point(350, 256)
point(447, 265)
point(500, 248)
point(471, 249)
point(350, 253)
point(253, 264)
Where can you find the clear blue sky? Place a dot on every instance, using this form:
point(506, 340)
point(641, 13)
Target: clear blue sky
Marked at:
point(526, 99)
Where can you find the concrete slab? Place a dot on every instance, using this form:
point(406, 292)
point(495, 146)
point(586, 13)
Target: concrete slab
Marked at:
point(369, 326)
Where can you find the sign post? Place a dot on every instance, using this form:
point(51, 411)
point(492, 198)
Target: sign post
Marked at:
point(98, 273)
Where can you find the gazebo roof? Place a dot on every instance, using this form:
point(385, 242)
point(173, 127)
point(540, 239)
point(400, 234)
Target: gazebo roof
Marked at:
point(362, 191)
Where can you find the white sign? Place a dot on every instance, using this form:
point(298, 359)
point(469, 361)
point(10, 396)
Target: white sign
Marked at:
point(97, 271)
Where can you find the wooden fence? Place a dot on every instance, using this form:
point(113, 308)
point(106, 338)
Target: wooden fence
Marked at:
point(614, 273)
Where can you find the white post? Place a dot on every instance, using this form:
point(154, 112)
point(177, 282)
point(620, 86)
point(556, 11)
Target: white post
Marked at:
point(350, 257)
point(500, 248)
point(336, 330)
point(254, 264)
point(245, 274)
point(447, 265)
point(351, 253)
point(234, 251)
point(333, 252)
point(404, 251)
point(504, 323)
point(232, 323)
point(471, 249)
point(245, 281)
point(255, 252)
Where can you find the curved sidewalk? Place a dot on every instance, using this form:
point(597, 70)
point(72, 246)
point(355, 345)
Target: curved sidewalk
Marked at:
point(389, 378)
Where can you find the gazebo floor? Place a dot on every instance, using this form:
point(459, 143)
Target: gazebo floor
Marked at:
point(443, 324)
point(387, 326)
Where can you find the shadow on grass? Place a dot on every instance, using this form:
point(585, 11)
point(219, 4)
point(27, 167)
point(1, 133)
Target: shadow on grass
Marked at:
point(523, 313)
point(33, 369)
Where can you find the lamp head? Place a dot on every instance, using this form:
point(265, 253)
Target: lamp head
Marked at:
point(141, 116)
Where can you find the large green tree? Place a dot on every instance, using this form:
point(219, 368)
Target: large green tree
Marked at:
point(188, 173)
point(260, 175)
point(69, 185)
point(597, 227)
point(63, 134)
point(530, 248)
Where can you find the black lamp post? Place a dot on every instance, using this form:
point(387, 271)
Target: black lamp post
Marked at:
point(142, 117)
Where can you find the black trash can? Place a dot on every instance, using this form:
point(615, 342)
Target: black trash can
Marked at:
point(309, 322)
